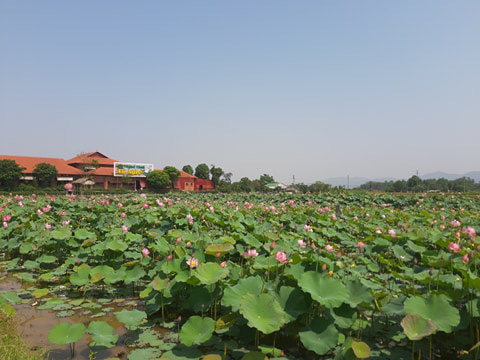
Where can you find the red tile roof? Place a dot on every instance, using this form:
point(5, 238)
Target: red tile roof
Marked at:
point(88, 157)
point(103, 171)
point(185, 174)
point(29, 163)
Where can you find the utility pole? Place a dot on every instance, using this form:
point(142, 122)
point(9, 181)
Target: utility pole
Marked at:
point(293, 180)
point(348, 181)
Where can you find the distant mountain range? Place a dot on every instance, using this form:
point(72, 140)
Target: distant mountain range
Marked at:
point(354, 182)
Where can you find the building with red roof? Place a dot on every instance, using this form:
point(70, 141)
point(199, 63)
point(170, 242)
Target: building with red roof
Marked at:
point(66, 173)
point(99, 168)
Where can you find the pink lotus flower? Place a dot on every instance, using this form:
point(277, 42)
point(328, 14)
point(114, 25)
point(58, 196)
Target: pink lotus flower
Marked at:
point(5, 225)
point(272, 245)
point(392, 233)
point(125, 228)
point(39, 212)
point(251, 253)
point(66, 222)
point(334, 217)
point(281, 257)
point(120, 205)
point(223, 264)
point(329, 248)
point(465, 259)
point(7, 218)
point(301, 243)
point(123, 215)
point(48, 226)
point(192, 262)
point(470, 231)
point(188, 244)
point(361, 244)
point(169, 257)
point(145, 252)
point(455, 223)
point(146, 206)
point(454, 247)
point(307, 228)
point(179, 240)
point(190, 219)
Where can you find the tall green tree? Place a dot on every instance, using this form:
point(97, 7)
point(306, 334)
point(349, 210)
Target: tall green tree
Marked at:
point(217, 173)
point(172, 173)
point(45, 174)
point(202, 171)
point(158, 180)
point(188, 169)
point(245, 184)
point(266, 179)
point(10, 174)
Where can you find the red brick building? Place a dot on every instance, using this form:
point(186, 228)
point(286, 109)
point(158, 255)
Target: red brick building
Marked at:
point(189, 182)
point(100, 168)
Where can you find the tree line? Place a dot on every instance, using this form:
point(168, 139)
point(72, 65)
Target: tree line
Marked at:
point(416, 184)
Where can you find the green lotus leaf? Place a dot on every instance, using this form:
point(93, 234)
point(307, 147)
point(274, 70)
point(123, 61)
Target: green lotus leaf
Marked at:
point(344, 316)
point(416, 327)
point(66, 333)
point(233, 295)
point(116, 245)
point(134, 274)
point(226, 321)
point(197, 330)
point(401, 254)
point(210, 273)
point(254, 355)
point(181, 353)
point(101, 272)
point(131, 318)
point(81, 276)
point(62, 233)
point(436, 308)
point(212, 357)
point(82, 234)
point(116, 276)
point(199, 299)
point(358, 294)
point(320, 337)
point(159, 284)
point(11, 297)
point(222, 248)
point(46, 259)
point(327, 291)
point(263, 312)
point(26, 277)
point(361, 349)
point(40, 293)
point(8, 309)
point(292, 301)
point(150, 353)
point(102, 334)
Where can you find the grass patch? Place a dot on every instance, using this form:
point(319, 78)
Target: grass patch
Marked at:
point(12, 346)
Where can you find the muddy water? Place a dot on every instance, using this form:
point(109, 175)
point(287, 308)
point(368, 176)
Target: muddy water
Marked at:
point(34, 324)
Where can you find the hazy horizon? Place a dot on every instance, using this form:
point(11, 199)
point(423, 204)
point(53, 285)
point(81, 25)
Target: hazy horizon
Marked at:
point(314, 89)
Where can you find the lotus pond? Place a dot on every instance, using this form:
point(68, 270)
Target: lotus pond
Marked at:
point(208, 276)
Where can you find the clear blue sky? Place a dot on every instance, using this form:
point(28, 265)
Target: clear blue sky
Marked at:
point(312, 88)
